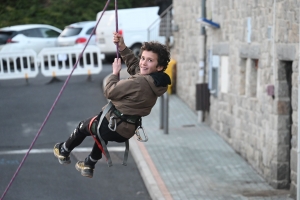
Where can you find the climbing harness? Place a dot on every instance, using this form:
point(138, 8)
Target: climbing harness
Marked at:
point(132, 119)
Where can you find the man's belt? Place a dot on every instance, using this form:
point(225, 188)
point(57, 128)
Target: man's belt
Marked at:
point(132, 119)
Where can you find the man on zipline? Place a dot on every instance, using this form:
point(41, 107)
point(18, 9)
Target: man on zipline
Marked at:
point(132, 99)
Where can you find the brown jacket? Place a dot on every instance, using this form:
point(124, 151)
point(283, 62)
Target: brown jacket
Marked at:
point(133, 96)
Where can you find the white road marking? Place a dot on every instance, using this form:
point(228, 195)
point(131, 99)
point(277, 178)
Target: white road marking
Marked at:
point(36, 151)
point(30, 129)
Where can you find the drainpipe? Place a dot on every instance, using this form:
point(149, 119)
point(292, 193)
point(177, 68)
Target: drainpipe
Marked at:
point(274, 27)
point(201, 114)
point(203, 42)
point(298, 134)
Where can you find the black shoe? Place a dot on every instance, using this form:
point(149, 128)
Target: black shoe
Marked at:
point(86, 170)
point(63, 157)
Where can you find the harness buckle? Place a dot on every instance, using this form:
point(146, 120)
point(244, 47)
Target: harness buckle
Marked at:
point(139, 138)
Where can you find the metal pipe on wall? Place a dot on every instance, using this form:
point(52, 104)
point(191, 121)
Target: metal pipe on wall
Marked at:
point(273, 39)
point(203, 42)
point(203, 15)
point(202, 74)
point(298, 134)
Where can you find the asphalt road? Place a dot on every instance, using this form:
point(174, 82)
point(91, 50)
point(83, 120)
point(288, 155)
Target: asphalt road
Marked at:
point(23, 109)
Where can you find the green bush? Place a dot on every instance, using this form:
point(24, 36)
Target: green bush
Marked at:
point(58, 13)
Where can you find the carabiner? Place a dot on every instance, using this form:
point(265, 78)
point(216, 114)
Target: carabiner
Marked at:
point(139, 138)
point(111, 123)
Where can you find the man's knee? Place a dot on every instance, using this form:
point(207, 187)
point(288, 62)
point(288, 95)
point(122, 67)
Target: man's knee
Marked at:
point(84, 126)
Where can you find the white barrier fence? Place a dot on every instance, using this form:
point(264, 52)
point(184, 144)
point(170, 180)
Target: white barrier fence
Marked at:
point(57, 61)
point(18, 64)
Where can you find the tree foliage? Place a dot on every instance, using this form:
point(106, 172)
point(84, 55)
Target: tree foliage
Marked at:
point(58, 13)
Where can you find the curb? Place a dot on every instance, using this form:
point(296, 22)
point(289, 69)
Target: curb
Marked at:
point(146, 173)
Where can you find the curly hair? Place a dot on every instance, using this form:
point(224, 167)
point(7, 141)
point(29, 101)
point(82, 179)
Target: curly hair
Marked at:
point(162, 51)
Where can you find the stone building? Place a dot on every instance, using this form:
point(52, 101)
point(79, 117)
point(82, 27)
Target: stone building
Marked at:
point(250, 65)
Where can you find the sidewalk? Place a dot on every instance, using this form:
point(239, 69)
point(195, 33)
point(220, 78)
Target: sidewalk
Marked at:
point(193, 162)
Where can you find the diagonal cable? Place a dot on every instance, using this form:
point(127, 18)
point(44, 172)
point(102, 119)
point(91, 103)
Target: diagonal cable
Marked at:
point(51, 109)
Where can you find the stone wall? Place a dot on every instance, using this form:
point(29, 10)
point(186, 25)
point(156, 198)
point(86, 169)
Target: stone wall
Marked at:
point(186, 48)
point(255, 107)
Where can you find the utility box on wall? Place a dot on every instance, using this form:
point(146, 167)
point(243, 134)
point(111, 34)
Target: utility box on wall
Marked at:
point(202, 97)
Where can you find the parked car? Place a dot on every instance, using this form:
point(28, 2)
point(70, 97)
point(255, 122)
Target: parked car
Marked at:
point(24, 37)
point(77, 33)
point(28, 36)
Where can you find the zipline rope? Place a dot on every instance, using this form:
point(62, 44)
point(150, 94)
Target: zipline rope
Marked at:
point(94, 137)
point(55, 102)
point(117, 29)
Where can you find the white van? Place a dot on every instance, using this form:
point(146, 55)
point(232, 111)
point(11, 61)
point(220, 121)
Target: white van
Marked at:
point(133, 23)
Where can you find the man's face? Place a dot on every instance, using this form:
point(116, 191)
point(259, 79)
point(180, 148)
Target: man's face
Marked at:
point(148, 63)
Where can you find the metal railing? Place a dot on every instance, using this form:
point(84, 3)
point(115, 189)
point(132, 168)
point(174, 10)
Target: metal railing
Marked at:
point(162, 26)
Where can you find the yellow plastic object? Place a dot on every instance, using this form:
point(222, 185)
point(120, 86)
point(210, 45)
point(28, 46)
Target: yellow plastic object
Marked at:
point(171, 71)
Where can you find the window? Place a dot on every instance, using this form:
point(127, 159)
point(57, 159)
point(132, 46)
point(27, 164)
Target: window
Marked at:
point(252, 71)
point(34, 32)
point(49, 33)
point(249, 30)
point(214, 84)
point(90, 31)
point(214, 62)
point(224, 74)
point(70, 31)
point(218, 65)
point(242, 82)
point(5, 35)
